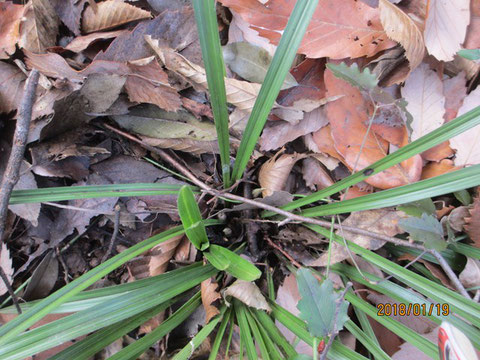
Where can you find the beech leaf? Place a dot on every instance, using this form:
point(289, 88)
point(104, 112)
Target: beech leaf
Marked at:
point(426, 229)
point(446, 27)
point(318, 304)
point(210, 295)
point(248, 293)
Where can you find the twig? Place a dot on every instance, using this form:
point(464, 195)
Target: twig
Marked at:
point(338, 305)
point(286, 214)
point(12, 171)
point(283, 252)
point(116, 225)
point(10, 290)
point(451, 275)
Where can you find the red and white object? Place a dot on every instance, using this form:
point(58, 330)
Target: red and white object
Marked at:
point(453, 344)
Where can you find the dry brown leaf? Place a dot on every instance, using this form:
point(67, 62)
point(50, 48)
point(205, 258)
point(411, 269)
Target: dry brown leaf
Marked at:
point(470, 276)
point(423, 91)
point(7, 267)
point(315, 176)
point(242, 94)
point(70, 12)
point(358, 146)
point(324, 143)
point(337, 30)
point(280, 133)
point(355, 191)
point(472, 40)
point(186, 145)
point(210, 294)
point(10, 19)
point(161, 254)
point(274, 173)
point(110, 14)
point(400, 27)
point(40, 28)
point(196, 108)
point(435, 270)
point(446, 27)
point(148, 83)
point(80, 43)
point(12, 81)
point(466, 144)
point(381, 221)
point(473, 222)
point(438, 168)
point(248, 293)
point(455, 90)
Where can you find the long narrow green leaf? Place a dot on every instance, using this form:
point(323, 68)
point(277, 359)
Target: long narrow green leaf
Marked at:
point(439, 185)
point(107, 313)
point(192, 219)
point(259, 340)
point(282, 60)
point(299, 328)
point(457, 303)
point(220, 333)
point(445, 132)
point(197, 340)
point(245, 334)
point(30, 317)
point(405, 296)
point(366, 341)
point(92, 344)
point(134, 350)
point(423, 344)
point(206, 17)
point(91, 191)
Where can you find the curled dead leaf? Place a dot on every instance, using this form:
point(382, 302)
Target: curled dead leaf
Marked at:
point(210, 294)
point(400, 27)
point(248, 293)
point(7, 267)
point(274, 173)
point(110, 14)
point(470, 276)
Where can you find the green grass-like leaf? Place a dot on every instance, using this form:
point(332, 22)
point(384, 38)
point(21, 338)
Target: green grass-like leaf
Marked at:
point(192, 219)
point(282, 60)
point(235, 265)
point(206, 17)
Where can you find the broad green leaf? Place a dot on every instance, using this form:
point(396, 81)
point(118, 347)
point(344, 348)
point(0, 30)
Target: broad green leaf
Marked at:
point(206, 18)
point(318, 304)
point(426, 229)
point(237, 266)
point(282, 60)
point(463, 196)
point(470, 54)
point(157, 123)
point(417, 208)
point(192, 219)
point(251, 62)
point(364, 80)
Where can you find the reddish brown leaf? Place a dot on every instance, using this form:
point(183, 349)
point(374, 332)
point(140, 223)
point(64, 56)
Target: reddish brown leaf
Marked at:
point(435, 270)
point(324, 141)
point(196, 108)
point(70, 12)
point(210, 294)
point(315, 176)
point(455, 90)
point(349, 121)
point(472, 41)
point(10, 18)
point(355, 191)
point(110, 14)
point(148, 83)
point(12, 80)
point(337, 30)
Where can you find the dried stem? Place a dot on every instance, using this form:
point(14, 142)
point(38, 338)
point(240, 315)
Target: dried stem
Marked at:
point(12, 171)
point(116, 226)
point(451, 275)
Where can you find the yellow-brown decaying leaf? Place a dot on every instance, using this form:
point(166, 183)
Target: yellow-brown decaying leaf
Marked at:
point(401, 28)
point(248, 293)
point(446, 27)
point(82, 42)
point(209, 296)
point(274, 173)
point(110, 14)
point(39, 29)
point(242, 94)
